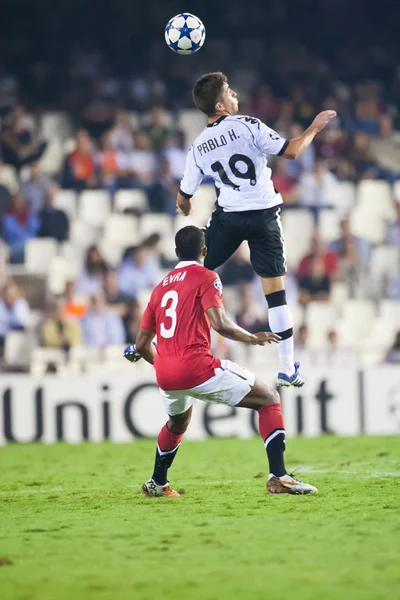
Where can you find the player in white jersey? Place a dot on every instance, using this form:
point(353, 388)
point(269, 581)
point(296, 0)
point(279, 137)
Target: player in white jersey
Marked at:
point(232, 150)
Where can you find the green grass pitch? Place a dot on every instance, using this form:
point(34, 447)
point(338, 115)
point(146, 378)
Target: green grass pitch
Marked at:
point(73, 524)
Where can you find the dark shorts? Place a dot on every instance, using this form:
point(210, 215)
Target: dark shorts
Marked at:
point(260, 228)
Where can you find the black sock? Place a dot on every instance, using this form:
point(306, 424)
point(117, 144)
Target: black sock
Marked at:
point(275, 449)
point(162, 463)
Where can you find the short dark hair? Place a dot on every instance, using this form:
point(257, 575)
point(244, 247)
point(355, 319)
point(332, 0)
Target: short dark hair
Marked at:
point(207, 91)
point(189, 242)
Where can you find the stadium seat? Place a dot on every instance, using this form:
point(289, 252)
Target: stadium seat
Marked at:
point(60, 270)
point(339, 293)
point(143, 297)
point(385, 262)
point(66, 200)
point(55, 125)
point(112, 252)
point(193, 219)
point(367, 225)
point(82, 234)
point(376, 198)
point(131, 199)
point(155, 223)
point(396, 191)
point(328, 225)
point(298, 227)
point(389, 311)
point(191, 122)
point(358, 315)
point(41, 357)
point(52, 159)
point(18, 346)
point(94, 207)
point(345, 197)
point(321, 317)
point(122, 230)
point(38, 254)
point(73, 254)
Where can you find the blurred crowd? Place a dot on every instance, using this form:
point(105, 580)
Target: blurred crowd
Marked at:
point(124, 133)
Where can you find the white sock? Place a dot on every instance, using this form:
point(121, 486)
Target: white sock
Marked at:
point(280, 320)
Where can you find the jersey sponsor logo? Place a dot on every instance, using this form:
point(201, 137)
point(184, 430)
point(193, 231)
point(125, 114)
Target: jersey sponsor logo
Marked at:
point(218, 285)
point(174, 278)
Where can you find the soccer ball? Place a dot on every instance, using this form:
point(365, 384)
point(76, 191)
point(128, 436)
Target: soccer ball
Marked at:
point(185, 33)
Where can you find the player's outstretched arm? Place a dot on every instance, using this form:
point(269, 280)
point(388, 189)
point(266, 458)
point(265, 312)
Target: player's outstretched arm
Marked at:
point(296, 146)
point(144, 344)
point(223, 325)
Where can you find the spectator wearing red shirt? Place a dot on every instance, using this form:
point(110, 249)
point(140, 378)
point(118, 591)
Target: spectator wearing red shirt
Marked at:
point(318, 250)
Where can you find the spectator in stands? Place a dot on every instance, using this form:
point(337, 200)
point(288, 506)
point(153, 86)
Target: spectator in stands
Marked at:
point(386, 148)
point(283, 183)
point(90, 280)
point(140, 164)
point(302, 337)
point(317, 188)
point(137, 272)
point(79, 169)
point(318, 250)
point(60, 331)
point(19, 145)
point(237, 269)
point(393, 229)
point(19, 225)
point(155, 126)
point(353, 253)
point(14, 311)
point(53, 221)
point(175, 155)
point(247, 316)
point(35, 188)
point(114, 298)
point(147, 90)
point(132, 321)
point(74, 304)
point(393, 355)
point(151, 247)
point(101, 325)
point(107, 164)
point(362, 157)
point(121, 134)
point(315, 286)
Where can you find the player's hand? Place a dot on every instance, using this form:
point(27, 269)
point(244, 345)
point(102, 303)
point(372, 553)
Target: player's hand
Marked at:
point(183, 209)
point(264, 337)
point(322, 119)
point(131, 354)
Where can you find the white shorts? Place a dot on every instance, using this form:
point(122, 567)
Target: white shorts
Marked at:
point(229, 385)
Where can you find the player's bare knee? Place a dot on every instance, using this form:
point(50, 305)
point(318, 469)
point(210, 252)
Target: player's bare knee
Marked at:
point(179, 423)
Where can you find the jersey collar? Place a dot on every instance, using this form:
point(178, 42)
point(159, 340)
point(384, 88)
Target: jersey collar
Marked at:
point(217, 122)
point(186, 263)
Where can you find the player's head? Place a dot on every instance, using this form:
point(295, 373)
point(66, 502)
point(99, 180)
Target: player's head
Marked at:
point(190, 244)
point(213, 96)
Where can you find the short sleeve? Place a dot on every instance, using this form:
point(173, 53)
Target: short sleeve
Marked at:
point(270, 142)
point(193, 176)
point(211, 292)
point(148, 319)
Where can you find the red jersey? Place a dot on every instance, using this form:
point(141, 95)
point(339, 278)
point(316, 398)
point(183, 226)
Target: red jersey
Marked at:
point(176, 312)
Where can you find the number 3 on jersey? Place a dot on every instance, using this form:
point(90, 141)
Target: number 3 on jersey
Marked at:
point(172, 295)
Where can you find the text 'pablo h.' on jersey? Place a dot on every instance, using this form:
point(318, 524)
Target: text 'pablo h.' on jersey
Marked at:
point(232, 151)
point(176, 312)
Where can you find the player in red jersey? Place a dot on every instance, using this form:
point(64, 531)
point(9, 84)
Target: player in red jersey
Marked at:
point(180, 311)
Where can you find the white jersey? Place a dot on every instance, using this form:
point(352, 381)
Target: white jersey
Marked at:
point(232, 151)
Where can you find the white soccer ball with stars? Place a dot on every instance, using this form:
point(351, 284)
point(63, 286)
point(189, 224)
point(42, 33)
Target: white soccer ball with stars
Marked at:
point(185, 33)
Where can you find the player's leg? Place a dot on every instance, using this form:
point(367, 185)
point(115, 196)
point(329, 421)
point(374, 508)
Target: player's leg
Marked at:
point(267, 253)
point(179, 409)
point(223, 234)
point(235, 386)
point(266, 402)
